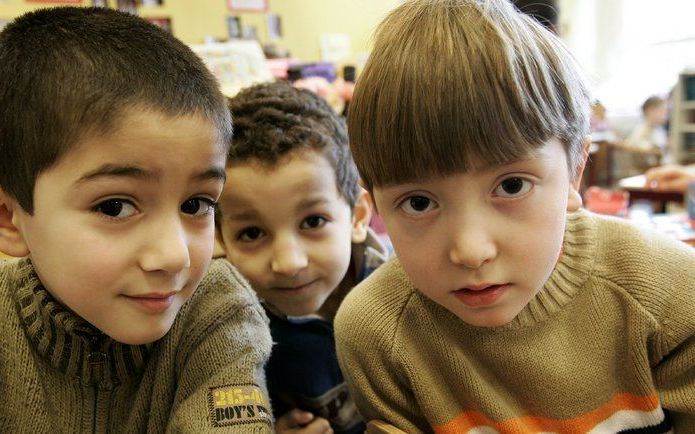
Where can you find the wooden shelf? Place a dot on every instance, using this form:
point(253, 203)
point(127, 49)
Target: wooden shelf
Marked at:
point(683, 118)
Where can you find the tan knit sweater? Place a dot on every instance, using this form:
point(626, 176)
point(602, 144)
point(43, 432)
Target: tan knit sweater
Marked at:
point(608, 345)
point(58, 374)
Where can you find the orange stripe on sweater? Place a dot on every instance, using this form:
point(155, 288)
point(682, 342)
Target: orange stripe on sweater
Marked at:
point(533, 424)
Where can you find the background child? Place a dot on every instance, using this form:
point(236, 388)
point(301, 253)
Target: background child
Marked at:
point(650, 134)
point(505, 310)
point(650, 137)
point(113, 141)
point(293, 219)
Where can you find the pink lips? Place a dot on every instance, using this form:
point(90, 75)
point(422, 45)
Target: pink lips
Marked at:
point(153, 303)
point(479, 296)
point(294, 289)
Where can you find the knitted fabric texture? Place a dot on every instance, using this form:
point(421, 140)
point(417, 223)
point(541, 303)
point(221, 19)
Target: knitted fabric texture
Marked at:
point(607, 344)
point(60, 374)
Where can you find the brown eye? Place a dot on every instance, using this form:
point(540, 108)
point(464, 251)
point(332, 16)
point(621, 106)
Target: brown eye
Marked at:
point(198, 206)
point(313, 222)
point(416, 205)
point(116, 208)
point(513, 187)
point(250, 234)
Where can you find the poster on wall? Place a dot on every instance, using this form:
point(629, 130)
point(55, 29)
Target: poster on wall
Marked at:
point(234, 27)
point(70, 2)
point(274, 27)
point(248, 5)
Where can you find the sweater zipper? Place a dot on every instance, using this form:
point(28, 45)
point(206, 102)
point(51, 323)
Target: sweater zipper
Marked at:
point(96, 359)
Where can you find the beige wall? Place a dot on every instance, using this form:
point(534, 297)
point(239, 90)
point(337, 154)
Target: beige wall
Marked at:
point(303, 21)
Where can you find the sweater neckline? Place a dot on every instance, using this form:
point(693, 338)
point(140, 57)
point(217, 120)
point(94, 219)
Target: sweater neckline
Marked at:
point(67, 342)
point(572, 270)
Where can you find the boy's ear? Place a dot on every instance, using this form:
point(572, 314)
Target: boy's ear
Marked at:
point(574, 201)
point(11, 238)
point(361, 215)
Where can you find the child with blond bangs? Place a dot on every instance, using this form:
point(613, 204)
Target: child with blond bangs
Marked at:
point(507, 308)
point(294, 220)
point(113, 136)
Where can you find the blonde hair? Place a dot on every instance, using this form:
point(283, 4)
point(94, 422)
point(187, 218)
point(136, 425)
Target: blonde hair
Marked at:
point(451, 83)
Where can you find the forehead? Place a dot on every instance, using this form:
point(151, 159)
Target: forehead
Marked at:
point(306, 163)
point(152, 141)
point(296, 181)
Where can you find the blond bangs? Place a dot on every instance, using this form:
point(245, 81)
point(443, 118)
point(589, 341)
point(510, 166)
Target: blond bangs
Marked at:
point(454, 83)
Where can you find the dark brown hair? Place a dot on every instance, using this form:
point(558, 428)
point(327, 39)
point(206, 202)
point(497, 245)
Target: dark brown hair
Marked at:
point(273, 120)
point(68, 72)
point(453, 82)
point(652, 101)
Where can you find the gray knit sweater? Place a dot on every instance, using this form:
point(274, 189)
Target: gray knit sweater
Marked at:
point(59, 374)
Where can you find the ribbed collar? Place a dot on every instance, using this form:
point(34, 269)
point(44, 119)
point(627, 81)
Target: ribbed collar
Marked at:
point(570, 273)
point(69, 343)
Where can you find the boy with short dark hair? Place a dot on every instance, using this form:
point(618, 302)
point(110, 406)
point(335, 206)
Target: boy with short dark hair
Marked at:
point(294, 220)
point(507, 309)
point(113, 141)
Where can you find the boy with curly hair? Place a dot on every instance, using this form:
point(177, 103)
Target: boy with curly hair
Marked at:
point(113, 136)
point(294, 220)
point(507, 307)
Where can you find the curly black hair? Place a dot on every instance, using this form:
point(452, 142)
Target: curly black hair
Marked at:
point(272, 120)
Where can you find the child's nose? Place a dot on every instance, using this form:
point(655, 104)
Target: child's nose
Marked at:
point(472, 246)
point(289, 256)
point(166, 247)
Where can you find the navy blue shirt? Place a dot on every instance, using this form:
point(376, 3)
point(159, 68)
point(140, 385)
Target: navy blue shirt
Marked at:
point(303, 373)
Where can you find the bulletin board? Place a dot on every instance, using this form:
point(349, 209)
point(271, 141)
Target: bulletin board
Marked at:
point(72, 2)
point(248, 5)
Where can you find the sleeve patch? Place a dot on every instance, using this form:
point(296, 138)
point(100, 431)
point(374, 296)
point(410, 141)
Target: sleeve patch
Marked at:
point(238, 404)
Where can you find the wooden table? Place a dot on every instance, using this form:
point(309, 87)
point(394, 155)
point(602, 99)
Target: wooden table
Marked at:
point(636, 186)
point(600, 168)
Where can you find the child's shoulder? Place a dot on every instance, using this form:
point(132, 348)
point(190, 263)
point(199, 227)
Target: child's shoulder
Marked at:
point(12, 273)
point(223, 285)
point(222, 293)
point(625, 248)
point(655, 270)
point(377, 302)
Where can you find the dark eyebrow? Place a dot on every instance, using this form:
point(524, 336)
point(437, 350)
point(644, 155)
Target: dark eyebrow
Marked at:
point(116, 171)
point(213, 173)
point(312, 201)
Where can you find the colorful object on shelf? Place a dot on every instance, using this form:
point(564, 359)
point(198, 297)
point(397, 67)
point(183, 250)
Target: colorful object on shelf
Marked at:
point(306, 70)
point(604, 201)
point(321, 87)
point(280, 66)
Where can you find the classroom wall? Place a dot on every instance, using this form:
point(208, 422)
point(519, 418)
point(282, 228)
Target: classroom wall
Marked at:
point(303, 21)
